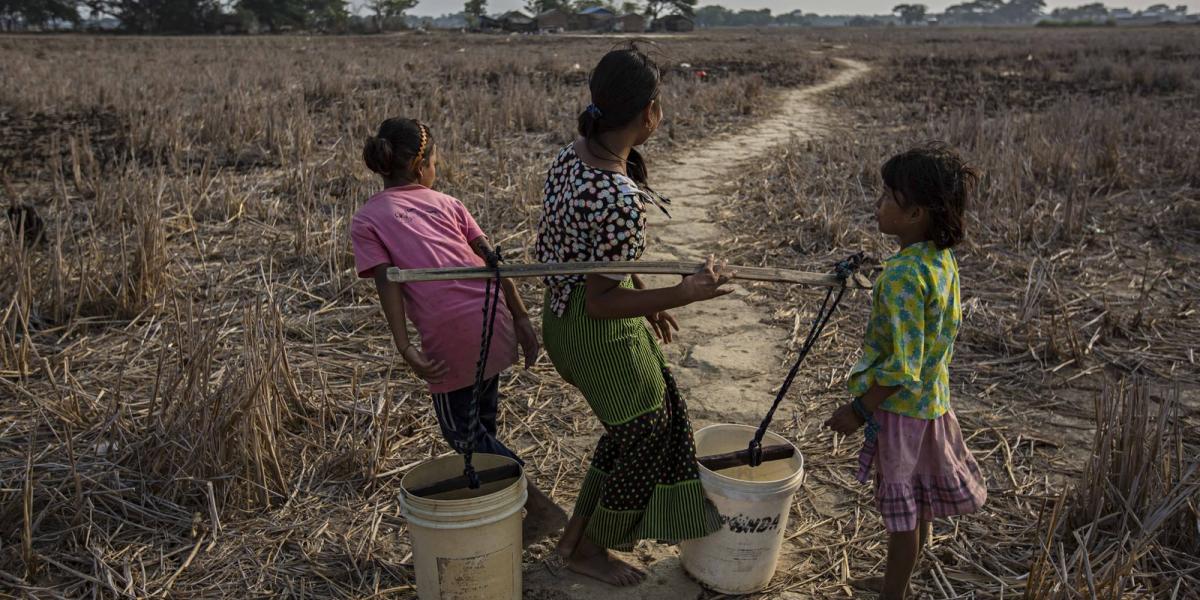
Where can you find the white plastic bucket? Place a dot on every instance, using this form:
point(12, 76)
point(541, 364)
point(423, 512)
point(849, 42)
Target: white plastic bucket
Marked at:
point(466, 544)
point(754, 504)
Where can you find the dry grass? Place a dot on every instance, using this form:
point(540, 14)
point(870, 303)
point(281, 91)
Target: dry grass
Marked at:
point(1080, 270)
point(204, 401)
point(1128, 524)
point(200, 399)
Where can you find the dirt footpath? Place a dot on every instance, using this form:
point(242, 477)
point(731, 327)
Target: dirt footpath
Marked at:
point(726, 358)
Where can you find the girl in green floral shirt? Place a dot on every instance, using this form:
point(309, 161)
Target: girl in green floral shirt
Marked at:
point(901, 384)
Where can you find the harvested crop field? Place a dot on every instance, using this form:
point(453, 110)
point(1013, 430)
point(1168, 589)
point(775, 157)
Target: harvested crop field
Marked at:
point(200, 399)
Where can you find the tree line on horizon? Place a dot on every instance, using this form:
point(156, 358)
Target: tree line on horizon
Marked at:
point(213, 16)
point(650, 8)
point(194, 16)
point(973, 12)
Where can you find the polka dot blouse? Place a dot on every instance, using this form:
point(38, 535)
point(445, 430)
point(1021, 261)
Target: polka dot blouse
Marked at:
point(589, 215)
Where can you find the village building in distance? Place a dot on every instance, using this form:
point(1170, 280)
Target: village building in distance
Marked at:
point(673, 23)
point(597, 19)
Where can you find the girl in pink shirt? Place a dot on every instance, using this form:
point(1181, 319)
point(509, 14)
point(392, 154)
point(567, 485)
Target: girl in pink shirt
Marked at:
point(410, 226)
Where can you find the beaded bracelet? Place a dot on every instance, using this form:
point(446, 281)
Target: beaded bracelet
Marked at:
point(867, 417)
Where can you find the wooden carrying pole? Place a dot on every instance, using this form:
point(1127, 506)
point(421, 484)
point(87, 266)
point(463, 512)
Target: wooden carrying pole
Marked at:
point(715, 462)
point(620, 268)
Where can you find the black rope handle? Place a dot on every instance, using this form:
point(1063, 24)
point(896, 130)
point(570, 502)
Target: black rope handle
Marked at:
point(491, 300)
point(842, 270)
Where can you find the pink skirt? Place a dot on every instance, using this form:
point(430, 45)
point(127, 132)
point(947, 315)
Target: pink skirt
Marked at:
point(923, 470)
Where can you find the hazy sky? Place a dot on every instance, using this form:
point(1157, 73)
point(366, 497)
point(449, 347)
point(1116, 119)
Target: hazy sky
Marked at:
point(825, 7)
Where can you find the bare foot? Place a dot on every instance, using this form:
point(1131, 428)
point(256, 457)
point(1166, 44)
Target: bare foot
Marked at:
point(571, 536)
point(869, 584)
point(543, 518)
point(598, 563)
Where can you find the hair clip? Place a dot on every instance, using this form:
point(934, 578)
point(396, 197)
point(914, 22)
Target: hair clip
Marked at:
point(594, 110)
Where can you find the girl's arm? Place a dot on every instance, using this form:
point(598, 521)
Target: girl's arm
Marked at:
point(516, 306)
point(900, 337)
point(877, 395)
point(526, 336)
point(845, 419)
point(662, 321)
point(606, 299)
point(392, 301)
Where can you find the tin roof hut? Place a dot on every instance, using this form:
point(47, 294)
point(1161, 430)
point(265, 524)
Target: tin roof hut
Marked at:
point(598, 17)
point(486, 23)
point(515, 20)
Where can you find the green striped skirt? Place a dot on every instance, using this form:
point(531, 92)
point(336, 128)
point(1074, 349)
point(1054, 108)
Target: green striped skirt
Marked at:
point(643, 482)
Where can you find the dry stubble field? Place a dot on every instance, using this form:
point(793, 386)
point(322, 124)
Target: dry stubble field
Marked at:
point(1080, 300)
point(200, 400)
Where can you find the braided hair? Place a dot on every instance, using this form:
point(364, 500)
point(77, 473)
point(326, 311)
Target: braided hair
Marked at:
point(399, 147)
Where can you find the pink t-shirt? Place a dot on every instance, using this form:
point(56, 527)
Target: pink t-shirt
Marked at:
point(414, 227)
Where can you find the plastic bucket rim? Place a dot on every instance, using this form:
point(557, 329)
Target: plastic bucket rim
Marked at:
point(414, 519)
point(727, 492)
point(758, 486)
point(457, 502)
point(415, 468)
point(414, 502)
point(460, 506)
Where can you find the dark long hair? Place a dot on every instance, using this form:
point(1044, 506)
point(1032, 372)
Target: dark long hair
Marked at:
point(622, 85)
point(398, 147)
point(935, 177)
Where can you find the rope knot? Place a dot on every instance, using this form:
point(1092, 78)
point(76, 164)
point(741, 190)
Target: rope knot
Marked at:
point(755, 451)
point(847, 266)
point(494, 257)
point(470, 474)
